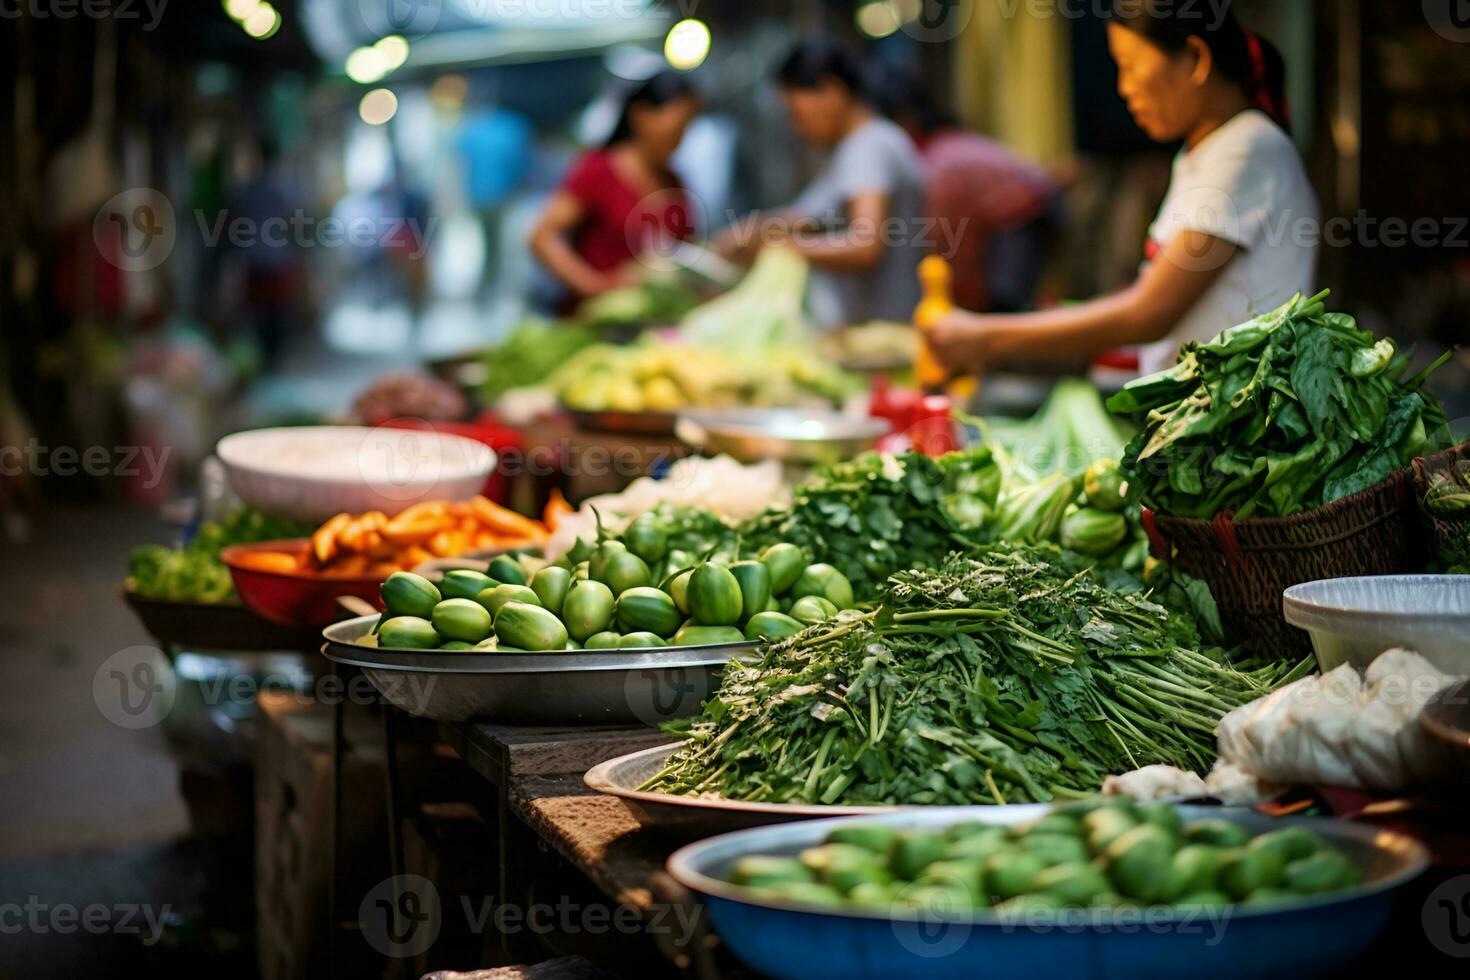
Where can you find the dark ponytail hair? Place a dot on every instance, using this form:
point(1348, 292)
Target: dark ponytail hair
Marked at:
point(1247, 59)
point(657, 90)
point(815, 60)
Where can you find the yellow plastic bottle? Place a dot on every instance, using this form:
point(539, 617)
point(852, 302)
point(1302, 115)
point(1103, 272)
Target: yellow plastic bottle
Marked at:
point(936, 284)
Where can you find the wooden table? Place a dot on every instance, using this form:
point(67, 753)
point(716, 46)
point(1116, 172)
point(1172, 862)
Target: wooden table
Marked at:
point(537, 796)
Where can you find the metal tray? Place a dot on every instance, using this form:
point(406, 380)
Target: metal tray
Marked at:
point(1316, 937)
point(563, 687)
point(793, 435)
point(622, 776)
point(625, 423)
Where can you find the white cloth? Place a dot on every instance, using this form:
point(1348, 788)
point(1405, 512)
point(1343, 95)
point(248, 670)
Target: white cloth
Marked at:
point(1244, 183)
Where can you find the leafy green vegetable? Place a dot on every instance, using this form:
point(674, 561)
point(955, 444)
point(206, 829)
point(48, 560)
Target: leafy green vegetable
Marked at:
point(529, 354)
point(652, 303)
point(195, 573)
point(1010, 676)
point(877, 514)
point(1282, 414)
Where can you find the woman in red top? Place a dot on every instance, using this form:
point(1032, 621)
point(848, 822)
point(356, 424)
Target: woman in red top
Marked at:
point(620, 201)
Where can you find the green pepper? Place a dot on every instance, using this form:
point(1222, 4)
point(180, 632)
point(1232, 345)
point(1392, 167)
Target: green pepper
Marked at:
point(812, 609)
point(872, 895)
point(408, 633)
point(456, 646)
point(693, 635)
point(761, 871)
point(597, 564)
point(1219, 833)
point(580, 572)
point(551, 585)
point(646, 609)
point(1207, 899)
point(1056, 823)
point(1165, 816)
point(1105, 825)
point(506, 570)
point(587, 609)
point(977, 847)
point(493, 599)
point(461, 619)
point(965, 877)
point(785, 563)
point(914, 850)
point(679, 590)
point(464, 583)
point(1294, 843)
point(823, 580)
point(714, 596)
point(937, 901)
point(632, 641)
point(1271, 895)
point(803, 893)
point(1195, 868)
point(529, 627)
point(771, 626)
point(606, 640)
point(580, 551)
point(1140, 863)
point(974, 828)
point(1245, 870)
point(1103, 485)
point(1055, 848)
point(646, 538)
point(407, 594)
point(623, 571)
point(1075, 883)
point(755, 587)
point(874, 837)
point(1323, 871)
point(1010, 873)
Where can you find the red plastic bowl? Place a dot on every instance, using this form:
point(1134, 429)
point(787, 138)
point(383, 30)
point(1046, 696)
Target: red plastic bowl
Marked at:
point(293, 599)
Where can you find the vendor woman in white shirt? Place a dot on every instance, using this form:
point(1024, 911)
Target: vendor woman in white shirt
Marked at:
point(1235, 235)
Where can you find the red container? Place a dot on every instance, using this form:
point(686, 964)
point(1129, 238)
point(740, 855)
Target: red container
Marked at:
point(485, 430)
point(295, 599)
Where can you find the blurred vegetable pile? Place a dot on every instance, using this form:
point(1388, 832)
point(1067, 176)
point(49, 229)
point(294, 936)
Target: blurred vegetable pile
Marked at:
point(194, 573)
point(530, 354)
point(655, 377)
point(1447, 499)
point(654, 302)
point(1279, 415)
point(764, 310)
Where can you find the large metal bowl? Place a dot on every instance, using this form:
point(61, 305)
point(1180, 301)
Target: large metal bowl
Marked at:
point(790, 435)
point(1314, 937)
point(563, 687)
point(1353, 620)
point(622, 776)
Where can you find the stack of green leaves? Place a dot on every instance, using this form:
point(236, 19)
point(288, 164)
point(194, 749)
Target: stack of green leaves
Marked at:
point(878, 514)
point(1279, 415)
point(1012, 676)
point(194, 573)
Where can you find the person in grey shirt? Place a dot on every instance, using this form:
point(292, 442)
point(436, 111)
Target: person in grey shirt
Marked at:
point(860, 221)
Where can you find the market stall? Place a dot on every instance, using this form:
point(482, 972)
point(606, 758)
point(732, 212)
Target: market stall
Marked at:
point(1135, 645)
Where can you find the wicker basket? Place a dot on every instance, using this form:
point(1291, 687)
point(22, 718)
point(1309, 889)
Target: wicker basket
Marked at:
point(1248, 564)
point(1443, 532)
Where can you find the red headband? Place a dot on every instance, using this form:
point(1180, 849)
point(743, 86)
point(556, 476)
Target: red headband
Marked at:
point(1259, 88)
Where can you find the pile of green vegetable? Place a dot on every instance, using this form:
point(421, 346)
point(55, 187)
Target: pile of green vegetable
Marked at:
point(765, 309)
point(655, 302)
point(532, 351)
point(1011, 676)
point(880, 514)
point(619, 593)
point(194, 573)
point(1087, 854)
point(1279, 415)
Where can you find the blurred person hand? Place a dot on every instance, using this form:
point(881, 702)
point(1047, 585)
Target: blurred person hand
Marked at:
point(964, 342)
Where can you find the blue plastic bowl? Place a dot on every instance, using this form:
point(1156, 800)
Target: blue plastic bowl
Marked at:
point(1302, 938)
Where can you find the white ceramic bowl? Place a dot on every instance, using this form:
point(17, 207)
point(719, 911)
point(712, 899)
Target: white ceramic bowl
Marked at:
point(312, 472)
point(1353, 620)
